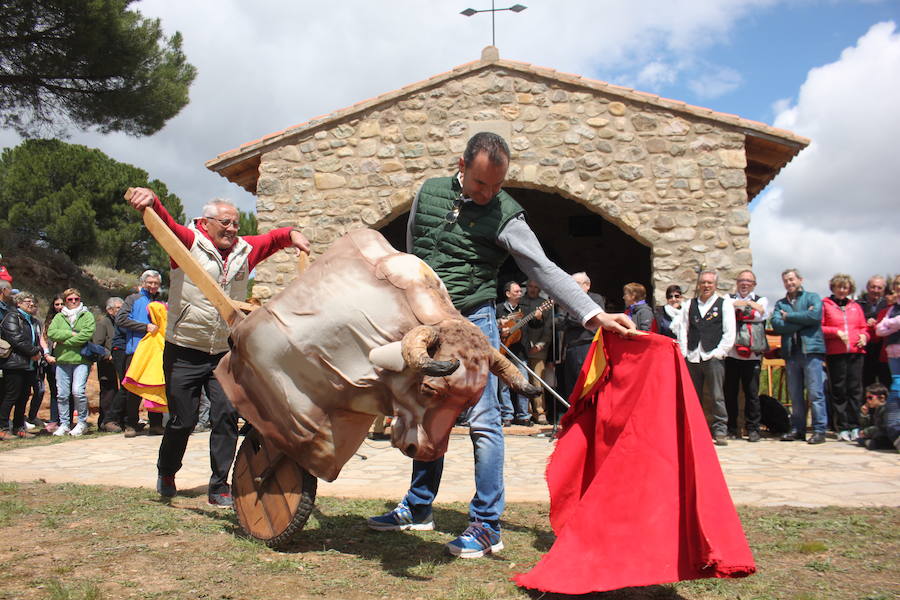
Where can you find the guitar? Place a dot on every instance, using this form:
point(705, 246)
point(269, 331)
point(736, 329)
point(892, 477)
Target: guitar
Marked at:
point(514, 333)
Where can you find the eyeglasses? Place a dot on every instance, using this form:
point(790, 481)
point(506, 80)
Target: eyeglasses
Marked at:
point(27, 301)
point(453, 215)
point(226, 222)
point(746, 281)
point(674, 296)
point(73, 298)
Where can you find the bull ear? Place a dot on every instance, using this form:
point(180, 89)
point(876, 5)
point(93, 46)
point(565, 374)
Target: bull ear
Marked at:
point(388, 357)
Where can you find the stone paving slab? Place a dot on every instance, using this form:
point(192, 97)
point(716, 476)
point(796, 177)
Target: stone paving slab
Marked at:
point(768, 473)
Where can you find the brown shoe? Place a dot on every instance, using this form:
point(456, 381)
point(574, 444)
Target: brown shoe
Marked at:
point(156, 430)
point(541, 419)
point(111, 427)
point(24, 434)
point(6, 436)
point(130, 432)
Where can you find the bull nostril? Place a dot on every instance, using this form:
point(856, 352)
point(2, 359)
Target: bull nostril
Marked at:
point(411, 450)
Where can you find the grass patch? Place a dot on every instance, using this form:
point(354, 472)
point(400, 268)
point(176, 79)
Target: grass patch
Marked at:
point(57, 590)
point(109, 278)
point(80, 535)
point(813, 547)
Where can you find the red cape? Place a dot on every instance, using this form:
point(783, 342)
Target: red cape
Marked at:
point(637, 496)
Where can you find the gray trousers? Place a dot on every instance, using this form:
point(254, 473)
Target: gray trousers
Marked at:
point(711, 372)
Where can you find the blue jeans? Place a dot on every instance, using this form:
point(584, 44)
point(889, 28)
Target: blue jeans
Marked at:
point(806, 370)
point(486, 433)
point(520, 407)
point(892, 419)
point(72, 379)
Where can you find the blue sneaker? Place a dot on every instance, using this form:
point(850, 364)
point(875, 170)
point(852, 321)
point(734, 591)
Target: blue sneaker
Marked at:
point(400, 519)
point(477, 540)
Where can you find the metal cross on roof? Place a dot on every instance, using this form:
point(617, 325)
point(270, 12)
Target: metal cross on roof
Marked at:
point(514, 8)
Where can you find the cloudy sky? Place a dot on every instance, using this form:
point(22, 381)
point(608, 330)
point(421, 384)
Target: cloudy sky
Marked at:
point(826, 69)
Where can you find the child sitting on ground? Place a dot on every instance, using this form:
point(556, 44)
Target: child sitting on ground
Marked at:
point(872, 415)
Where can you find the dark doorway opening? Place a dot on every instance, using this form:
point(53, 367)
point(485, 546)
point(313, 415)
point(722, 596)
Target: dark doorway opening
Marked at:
point(574, 238)
point(578, 239)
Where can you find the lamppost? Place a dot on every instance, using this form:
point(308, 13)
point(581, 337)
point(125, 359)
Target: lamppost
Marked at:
point(516, 8)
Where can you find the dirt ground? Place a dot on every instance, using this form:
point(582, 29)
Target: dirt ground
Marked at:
point(88, 542)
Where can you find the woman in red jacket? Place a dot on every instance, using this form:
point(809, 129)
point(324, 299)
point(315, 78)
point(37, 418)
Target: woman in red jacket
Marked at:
point(846, 335)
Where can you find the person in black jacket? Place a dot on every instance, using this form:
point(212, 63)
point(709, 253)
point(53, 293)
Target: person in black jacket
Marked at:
point(106, 335)
point(19, 329)
point(576, 343)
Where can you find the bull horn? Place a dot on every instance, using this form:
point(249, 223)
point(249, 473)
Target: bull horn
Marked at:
point(414, 348)
point(505, 370)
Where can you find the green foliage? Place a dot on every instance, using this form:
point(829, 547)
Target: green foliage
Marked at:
point(248, 223)
point(88, 63)
point(69, 198)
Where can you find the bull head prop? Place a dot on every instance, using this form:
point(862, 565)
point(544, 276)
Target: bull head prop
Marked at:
point(366, 330)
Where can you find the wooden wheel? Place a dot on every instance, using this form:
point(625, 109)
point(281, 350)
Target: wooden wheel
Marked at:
point(273, 495)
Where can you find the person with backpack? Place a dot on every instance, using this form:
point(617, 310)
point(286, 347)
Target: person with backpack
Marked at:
point(745, 357)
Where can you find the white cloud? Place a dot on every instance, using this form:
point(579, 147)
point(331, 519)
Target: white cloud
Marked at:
point(715, 81)
point(269, 64)
point(835, 207)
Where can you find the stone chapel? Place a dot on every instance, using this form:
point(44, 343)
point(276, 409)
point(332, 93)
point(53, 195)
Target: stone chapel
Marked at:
point(622, 184)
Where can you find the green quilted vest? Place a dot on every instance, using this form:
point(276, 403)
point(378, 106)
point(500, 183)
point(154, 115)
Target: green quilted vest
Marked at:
point(464, 254)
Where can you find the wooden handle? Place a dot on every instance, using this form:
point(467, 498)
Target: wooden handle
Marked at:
point(228, 308)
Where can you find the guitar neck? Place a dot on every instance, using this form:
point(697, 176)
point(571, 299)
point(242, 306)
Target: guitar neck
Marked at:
point(524, 320)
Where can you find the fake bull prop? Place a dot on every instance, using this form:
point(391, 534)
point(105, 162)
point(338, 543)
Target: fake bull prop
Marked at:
point(365, 331)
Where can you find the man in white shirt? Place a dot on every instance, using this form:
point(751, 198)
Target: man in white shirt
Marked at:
point(705, 335)
point(742, 364)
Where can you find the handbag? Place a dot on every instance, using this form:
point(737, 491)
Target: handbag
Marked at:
point(94, 352)
point(5, 349)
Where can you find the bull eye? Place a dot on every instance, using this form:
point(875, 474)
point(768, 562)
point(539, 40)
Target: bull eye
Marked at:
point(428, 391)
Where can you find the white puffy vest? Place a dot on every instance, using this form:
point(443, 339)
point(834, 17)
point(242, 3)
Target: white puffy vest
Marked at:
point(193, 321)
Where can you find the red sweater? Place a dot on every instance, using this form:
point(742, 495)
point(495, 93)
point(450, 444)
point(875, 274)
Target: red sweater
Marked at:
point(261, 246)
point(851, 319)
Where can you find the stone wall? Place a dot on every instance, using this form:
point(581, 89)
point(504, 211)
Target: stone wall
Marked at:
point(675, 183)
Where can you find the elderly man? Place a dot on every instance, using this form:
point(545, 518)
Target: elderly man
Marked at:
point(798, 318)
point(465, 227)
point(106, 335)
point(197, 336)
point(705, 334)
point(872, 303)
point(576, 342)
point(133, 319)
point(5, 297)
point(742, 363)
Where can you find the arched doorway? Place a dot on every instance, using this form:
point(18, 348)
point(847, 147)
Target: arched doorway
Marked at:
point(577, 239)
point(574, 238)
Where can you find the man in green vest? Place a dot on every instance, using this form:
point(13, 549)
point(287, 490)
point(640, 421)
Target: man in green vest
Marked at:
point(464, 227)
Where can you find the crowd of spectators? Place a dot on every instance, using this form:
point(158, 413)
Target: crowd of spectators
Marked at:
point(841, 354)
point(53, 355)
